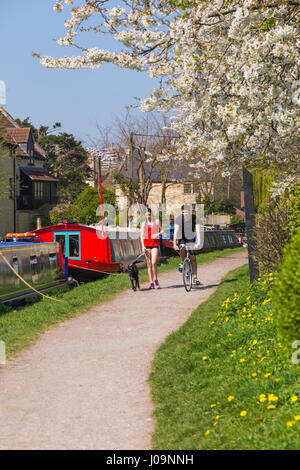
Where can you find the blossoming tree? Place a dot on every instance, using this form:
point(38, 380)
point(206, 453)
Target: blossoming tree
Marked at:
point(229, 70)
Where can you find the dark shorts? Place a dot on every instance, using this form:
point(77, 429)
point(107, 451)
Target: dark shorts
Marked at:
point(151, 247)
point(184, 242)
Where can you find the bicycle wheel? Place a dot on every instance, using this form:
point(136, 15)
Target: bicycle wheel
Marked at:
point(187, 275)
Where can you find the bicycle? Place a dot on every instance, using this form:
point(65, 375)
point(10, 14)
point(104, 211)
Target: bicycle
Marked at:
point(187, 271)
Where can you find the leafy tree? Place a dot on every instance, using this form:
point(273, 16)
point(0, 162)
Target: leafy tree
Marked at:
point(68, 161)
point(84, 209)
point(88, 201)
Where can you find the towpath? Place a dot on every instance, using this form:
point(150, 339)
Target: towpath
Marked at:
point(83, 384)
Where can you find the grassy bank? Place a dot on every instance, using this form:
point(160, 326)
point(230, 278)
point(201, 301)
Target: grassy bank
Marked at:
point(223, 380)
point(19, 328)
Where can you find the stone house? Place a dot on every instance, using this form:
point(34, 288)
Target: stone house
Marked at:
point(177, 185)
point(27, 188)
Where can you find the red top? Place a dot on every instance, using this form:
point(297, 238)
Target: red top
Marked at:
point(150, 230)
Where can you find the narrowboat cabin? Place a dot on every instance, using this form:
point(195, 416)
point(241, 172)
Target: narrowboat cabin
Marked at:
point(40, 264)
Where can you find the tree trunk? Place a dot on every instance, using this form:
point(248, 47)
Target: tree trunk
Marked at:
point(250, 221)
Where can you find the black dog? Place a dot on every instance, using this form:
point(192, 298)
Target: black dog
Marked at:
point(134, 275)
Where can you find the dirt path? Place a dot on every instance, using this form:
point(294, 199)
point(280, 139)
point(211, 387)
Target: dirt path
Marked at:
point(83, 384)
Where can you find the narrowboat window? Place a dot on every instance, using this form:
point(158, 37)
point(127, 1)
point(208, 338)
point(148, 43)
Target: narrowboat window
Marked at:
point(33, 264)
point(52, 257)
point(125, 248)
point(74, 246)
point(131, 247)
point(15, 264)
point(62, 240)
point(120, 247)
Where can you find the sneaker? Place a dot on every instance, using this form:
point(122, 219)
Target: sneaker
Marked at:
point(157, 286)
point(180, 267)
point(196, 282)
point(151, 286)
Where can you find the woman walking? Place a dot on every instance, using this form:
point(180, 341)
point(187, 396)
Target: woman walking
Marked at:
point(150, 231)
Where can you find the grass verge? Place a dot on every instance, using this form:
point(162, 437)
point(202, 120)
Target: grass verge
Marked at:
point(223, 380)
point(19, 328)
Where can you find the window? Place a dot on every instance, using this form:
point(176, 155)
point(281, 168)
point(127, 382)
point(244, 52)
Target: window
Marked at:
point(196, 188)
point(33, 265)
point(74, 250)
point(38, 189)
point(62, 240)
point(52, 259)
point(15, 264)
point(187, 188)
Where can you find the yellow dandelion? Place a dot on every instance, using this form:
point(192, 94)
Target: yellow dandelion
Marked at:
point(254, 341)
point(271, 407)
point(204, 358)
point(267, 375)
point(243, 413)
point(229, 334)
point(230, 398)
point(207, 432)
point(277, 379)
point(262, 397)
point(290, 424)
point(217, 417)
point(242, 360)
point(272, 397)
point(215, 423)
point(294, 398)
point(213, 405)
point(254, 374)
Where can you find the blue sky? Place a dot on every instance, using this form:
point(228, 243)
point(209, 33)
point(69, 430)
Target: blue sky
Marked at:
point(78, 99)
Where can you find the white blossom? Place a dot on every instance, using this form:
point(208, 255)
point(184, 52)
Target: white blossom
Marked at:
point(229, 71)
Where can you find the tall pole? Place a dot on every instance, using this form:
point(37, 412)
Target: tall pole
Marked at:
point(100, 188)
point(14, 192)
point(250, 212)
point(131, 156)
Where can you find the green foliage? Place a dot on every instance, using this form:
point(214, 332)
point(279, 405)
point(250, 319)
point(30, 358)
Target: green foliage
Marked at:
point(88, 202)
point(276, 222)
point(68, 160)
point(223, 206)
point(294, 219)
point(262, 182)
point(84, 209)
point(205, 200)
point(286, 292)
point(235, 219)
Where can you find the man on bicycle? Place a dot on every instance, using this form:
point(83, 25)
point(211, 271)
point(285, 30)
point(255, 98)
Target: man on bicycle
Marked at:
point(186, 226)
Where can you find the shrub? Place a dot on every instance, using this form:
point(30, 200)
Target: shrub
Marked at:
point(271, 234)
point(286, 292)
point(276, 223)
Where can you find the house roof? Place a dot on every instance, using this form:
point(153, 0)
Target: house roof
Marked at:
point(37, 174)
point(14, 134)
point(20, 135)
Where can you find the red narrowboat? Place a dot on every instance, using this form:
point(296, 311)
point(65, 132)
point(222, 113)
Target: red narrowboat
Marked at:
point(92, 253)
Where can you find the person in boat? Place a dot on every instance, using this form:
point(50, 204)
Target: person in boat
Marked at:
point(151, 230)
point(187, 231)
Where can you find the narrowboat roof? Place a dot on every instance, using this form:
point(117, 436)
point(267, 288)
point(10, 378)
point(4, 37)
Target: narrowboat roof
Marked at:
point(69, 226)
